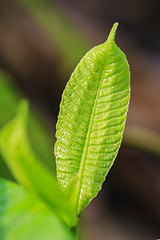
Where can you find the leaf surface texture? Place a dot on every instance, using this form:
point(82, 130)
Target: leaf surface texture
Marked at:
point(91, 121)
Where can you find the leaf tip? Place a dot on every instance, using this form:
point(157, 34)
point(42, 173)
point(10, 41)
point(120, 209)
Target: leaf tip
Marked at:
point(112, 33)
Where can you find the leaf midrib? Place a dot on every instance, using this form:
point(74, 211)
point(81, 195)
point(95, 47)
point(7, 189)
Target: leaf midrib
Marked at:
point(85, 148)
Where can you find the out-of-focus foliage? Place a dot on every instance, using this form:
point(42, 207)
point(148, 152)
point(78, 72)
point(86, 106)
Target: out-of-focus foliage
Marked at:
point(70, 43)
point(9, 98)
point(39, 136)
point(25, 217)
point(26, 168)
point(142, 138)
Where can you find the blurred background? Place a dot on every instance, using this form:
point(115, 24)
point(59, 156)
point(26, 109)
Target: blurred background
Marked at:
point(41, 42)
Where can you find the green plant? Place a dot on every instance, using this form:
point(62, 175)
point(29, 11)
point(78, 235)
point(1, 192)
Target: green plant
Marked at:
point(38, 133)
point(89, 133)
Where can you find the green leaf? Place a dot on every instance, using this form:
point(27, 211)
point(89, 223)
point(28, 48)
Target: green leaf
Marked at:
point(28, 170)
point(39, 136)
point(23, 217)
point(91, 121)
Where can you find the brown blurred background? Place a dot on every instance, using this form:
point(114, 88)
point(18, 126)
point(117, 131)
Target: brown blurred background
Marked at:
point(41, 42)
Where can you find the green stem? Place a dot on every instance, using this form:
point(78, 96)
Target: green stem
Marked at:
point(74, 231)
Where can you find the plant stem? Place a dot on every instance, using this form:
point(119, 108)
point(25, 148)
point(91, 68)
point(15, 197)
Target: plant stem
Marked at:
point(74, 231)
